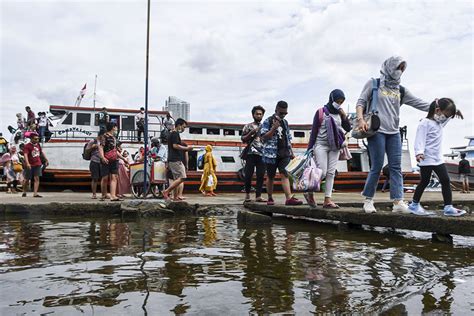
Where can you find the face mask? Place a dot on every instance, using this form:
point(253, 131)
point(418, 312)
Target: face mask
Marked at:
point(336, 105)
point(440, 118)
point(397, 74)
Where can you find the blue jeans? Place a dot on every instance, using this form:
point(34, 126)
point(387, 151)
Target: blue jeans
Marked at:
point(42, 132)
point(379, 145)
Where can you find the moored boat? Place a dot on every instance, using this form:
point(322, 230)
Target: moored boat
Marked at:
point(74, 126)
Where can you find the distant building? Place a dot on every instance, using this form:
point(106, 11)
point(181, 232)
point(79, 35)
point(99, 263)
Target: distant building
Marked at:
point(178, 108)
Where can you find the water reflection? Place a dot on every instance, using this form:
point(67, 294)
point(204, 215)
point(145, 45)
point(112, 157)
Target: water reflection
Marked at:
point(208, 265)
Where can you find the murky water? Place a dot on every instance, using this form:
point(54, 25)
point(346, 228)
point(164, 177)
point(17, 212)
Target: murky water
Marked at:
point(210, 266)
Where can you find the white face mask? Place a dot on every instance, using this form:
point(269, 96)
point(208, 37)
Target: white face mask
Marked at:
point(397, 74)
point(336, 105)
point(440, 118)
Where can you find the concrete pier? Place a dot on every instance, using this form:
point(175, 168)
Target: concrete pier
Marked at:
point(81, 204)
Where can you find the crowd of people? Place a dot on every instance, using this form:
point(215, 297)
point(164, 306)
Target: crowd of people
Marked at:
point(268, 149)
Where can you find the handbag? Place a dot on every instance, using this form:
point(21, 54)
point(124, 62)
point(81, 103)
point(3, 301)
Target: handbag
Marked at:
point(111, 155)
point(344, 153)
point(244, 154)
point(370, 117)
point(210, 181)
point(310, 178)
point(17, 167)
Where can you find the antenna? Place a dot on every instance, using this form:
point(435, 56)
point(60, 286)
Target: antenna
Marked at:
point(95, 86)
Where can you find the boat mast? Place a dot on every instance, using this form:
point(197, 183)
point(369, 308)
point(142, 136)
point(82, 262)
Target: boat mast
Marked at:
point(95, 86)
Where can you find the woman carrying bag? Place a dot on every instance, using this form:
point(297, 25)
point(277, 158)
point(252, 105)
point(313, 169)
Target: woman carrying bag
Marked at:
point(326, 140)
point(208, 178)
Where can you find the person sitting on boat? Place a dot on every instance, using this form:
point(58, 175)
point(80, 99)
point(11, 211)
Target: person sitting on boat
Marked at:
point(33, 155)
point(277, 152)
point(175, 157)
point(390, 95)
point(103, 118)
point(140, 122)
point(464, 170)
point(327, 138)
point(208, 178)
point(30, 118)
point(20, 122)
point(252, 154)
point(127, 156)
point(428, 140)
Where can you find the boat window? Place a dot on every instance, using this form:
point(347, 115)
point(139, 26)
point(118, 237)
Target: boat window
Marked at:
point(229, 132)
point(355, 164)
point(128, 123)
point(469, 154)
point(213, 131)
point(83, 119)
point(68, 119)
point(195, 130)
point(228, 159)
point(299, 134)
point(240, 133)
point(471, 142)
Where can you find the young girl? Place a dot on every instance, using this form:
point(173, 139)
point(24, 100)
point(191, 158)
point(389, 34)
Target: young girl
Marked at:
point(428, 153)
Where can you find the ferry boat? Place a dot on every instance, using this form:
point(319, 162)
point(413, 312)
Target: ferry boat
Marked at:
point(74, 126)
point(452, 163)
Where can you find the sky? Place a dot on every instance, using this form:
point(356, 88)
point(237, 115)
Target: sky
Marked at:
point(224, 57)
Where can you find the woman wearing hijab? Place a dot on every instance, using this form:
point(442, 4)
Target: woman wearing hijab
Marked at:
point(386, 141)
point(327, 138)
point(209, 179)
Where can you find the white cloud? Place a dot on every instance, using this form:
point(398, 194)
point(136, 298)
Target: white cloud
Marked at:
point(226, 56)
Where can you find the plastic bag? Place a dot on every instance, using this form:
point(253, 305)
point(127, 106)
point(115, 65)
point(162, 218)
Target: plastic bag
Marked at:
point(210, 181)
point(310, 178)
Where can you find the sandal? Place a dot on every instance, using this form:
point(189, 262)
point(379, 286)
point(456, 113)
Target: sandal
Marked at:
point(331, 205)
point(260, 200)
point(37, 196)
point(116, 200)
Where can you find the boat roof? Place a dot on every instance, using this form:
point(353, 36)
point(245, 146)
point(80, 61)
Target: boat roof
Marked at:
point(98, 109)
point(238, 125)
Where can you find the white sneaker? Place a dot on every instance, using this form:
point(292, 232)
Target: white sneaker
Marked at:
point(401, 207)
point(369, 206)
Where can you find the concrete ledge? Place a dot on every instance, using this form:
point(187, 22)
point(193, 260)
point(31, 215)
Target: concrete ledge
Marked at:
point(435, 224)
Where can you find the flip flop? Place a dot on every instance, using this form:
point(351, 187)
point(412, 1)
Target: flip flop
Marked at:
point(260, 200)
point(247, 200)
point(37, 196)
point(116, 200)
point(331, 206)
point(94, 198)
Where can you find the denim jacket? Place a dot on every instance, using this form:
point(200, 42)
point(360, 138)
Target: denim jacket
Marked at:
point(270, 146)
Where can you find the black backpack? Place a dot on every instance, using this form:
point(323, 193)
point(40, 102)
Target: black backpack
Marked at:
point(86, 154)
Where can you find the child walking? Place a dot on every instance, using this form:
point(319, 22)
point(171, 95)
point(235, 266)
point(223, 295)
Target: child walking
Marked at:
point(428, 154)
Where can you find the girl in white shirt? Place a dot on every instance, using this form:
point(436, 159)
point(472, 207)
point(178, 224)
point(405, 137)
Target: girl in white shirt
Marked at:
point(428, 154)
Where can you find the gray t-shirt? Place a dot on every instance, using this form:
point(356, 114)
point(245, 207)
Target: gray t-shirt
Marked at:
point(388, 105)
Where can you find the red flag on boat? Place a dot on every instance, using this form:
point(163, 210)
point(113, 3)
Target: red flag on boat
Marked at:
point(82, 93)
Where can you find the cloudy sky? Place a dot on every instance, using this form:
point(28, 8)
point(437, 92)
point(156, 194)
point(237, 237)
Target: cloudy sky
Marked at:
point(226, 56)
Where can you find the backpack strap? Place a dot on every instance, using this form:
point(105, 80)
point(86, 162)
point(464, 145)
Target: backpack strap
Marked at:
point(402, 93)
point(374, 99)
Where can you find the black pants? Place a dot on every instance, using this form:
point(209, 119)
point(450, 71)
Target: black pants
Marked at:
point(254, 162)
point(139, 134)
point(442, 173)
